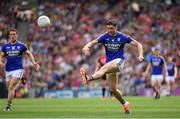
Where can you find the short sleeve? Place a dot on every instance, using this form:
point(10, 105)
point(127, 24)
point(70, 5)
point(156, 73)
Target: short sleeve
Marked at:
point(174, 64)
point(127, 39)
point(162, 60)
point(101, 38)
point(24, 47)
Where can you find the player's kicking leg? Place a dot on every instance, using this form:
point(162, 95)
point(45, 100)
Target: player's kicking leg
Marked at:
point(11, 86)
point(110, 67)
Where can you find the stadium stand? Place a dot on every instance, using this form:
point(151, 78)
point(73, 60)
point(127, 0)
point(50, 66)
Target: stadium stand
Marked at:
point(74, 23)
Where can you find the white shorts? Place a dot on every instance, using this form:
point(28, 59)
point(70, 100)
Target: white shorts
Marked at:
point(119, 62)
point(16, 73)
point(170, 78)
point(157, 77)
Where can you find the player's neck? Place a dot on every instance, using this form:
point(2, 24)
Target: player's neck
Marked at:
point(13, 42)
point(156, 55)
point(112, 35)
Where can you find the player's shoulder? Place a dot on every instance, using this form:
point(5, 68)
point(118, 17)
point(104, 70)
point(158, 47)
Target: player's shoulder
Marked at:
point(173, 63)
point(161, 57)
point(151, 57)
point(122, 34)
point(104, 34)
point(6, 44)
point(155, 57)
point(124, 37)
point(21, 43)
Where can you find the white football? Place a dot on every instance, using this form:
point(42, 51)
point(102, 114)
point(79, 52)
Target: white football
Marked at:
point(43, 21)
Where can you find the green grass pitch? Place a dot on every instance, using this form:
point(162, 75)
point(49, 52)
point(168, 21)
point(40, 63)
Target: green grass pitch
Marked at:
point(141, 107)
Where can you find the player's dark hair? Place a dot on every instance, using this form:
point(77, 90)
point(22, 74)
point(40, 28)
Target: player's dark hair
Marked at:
point(156, 49)
point(111, 22)
point(13, 29)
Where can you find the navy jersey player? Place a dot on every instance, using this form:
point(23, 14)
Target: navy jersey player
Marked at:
point(158, 65)
point(172, 74)
point(114, 43)
point(13, 52)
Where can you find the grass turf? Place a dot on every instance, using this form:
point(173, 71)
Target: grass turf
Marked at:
point(141, 107)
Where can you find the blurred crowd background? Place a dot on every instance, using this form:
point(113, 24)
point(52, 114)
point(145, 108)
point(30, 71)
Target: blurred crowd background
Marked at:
point(154, 23)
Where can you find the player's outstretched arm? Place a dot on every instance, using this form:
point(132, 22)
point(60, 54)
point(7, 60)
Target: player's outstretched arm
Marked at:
point(88, 46)
point(140, 49)
point(31, 57)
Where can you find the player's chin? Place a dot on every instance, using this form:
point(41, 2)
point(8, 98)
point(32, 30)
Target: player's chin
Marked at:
point(112, 33)
point(13, 39)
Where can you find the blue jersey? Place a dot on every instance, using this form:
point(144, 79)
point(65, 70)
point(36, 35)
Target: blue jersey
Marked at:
point(170, 67)
point(114, 45)
point(157, 65)
point(14, 55)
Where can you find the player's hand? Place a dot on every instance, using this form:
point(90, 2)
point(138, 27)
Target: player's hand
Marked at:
point(37, 66)
point(166, 74)
point(145, 73)
point(86, 50)
point(141, 58)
